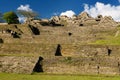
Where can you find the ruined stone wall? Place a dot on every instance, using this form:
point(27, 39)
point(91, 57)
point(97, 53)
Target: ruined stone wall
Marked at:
point(17, 64)
point(62, 65)
point(76, 56)
point(85, 59)
point(66, 50)
point(82, 65)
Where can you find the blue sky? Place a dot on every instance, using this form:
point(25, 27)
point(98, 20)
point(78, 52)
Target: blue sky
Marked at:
point(47, 8)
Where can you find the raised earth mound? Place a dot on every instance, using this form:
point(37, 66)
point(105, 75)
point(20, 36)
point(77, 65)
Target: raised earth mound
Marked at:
point(61, 45)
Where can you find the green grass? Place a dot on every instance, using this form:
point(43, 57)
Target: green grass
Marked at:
point(107, 38)
point(6, 76)
point(109, 41)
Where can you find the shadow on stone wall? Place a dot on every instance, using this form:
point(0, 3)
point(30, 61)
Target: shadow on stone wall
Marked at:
point(38, 66)
point(109, 52)
point(58, 51)
point(35, 30)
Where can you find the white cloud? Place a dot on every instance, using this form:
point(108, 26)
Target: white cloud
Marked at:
point(119, 1)
point(22, 19)
point(103, 9)
point(68, 13)
point(24, 8)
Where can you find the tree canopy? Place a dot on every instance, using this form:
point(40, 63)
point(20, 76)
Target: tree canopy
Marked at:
point(11, 17)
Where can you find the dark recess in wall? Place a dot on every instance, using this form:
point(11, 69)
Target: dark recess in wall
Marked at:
point(109, 52)
point(81, 24)
point(15, 35)
point(58, 50)
point(35, 30)
point(38, 65)
point(69, 33)
point(1, 40)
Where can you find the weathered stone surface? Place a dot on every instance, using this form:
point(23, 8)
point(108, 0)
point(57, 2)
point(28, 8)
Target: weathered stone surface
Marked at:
point(55, 19)
point(84, 15)
point(107, 21)
point(99, 17)
point(14, 64)
point(83, 19)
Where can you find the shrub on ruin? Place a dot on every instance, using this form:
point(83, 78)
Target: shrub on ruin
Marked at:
point(11, 17)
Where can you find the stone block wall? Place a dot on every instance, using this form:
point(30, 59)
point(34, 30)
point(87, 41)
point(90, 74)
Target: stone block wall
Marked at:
point(16, 64)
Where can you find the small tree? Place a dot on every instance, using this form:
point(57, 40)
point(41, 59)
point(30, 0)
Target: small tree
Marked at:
point(11, 17)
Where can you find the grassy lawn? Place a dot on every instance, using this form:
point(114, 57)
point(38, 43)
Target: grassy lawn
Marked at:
point(6, 76)
point(110, 41)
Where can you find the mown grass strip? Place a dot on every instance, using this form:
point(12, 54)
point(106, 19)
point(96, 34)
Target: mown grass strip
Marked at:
point(6, 76)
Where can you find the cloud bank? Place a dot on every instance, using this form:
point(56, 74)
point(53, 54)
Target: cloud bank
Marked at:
point(68, 13)
point(103, 9)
